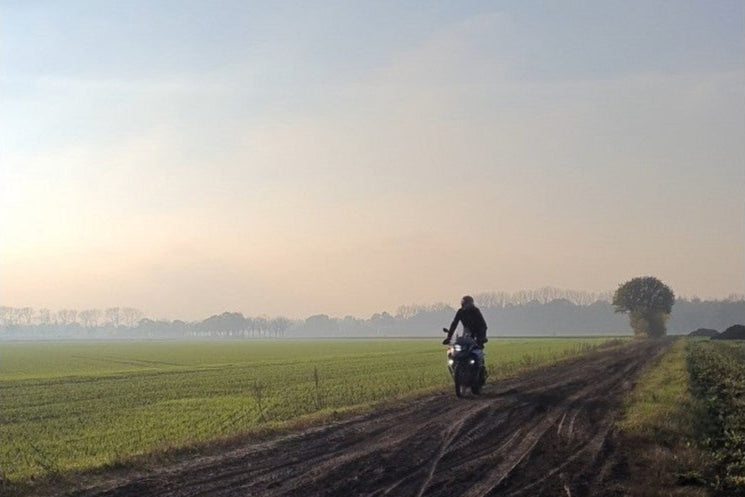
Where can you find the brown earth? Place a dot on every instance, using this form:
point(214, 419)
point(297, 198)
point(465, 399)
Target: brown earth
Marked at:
point(546, 433)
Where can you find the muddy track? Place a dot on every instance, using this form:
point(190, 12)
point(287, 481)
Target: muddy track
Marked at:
point(542, 434)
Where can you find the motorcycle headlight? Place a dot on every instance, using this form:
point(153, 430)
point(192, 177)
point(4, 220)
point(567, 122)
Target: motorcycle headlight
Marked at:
point(472, 361)
point(457, 347)
point(450, 362)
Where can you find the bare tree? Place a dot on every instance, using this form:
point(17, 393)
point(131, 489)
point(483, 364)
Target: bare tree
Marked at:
point(25, 315)
point(67, 316)
point(260, 325)
point(409, 311)
point(8, 316)
point(90, 318)
point(251, 327)
point(279, 325)
point(113, 316)
point(131, 316)
point(44, 316)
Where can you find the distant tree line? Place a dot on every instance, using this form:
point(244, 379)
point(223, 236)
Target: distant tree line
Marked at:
point(542, 312)
point(225, 325)
point(88, 318)
point(127, 322)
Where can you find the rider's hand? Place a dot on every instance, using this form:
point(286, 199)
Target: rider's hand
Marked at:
point(446, 341)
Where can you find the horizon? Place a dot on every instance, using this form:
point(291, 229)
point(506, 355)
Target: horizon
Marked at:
point(349, 158)
point(577, 297)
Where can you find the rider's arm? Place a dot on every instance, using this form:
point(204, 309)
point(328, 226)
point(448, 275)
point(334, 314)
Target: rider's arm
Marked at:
point(454, 324)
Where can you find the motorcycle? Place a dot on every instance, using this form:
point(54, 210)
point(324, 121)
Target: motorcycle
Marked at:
point(464, 365)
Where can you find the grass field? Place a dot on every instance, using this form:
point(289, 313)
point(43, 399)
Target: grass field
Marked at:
point(74, 406)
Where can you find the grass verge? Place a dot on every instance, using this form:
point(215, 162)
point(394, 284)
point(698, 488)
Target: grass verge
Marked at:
point(658, 432)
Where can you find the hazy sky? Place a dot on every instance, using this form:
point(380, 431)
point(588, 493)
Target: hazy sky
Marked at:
point(292, 158)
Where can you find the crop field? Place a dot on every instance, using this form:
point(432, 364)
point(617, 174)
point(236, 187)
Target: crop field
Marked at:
point(717, 372)
point(73, 406)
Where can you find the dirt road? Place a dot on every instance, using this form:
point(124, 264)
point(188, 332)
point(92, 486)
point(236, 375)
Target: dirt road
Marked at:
point(542, 434)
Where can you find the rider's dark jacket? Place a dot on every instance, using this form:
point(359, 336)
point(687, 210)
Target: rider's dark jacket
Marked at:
point(473, 323)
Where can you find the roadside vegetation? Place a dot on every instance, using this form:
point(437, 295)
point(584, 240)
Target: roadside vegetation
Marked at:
point(683, 428)
point(69, 407)
point(718, 378)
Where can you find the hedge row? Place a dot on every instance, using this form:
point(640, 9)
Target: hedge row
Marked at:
point(718, 378)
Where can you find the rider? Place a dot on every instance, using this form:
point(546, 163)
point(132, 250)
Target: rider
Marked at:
point(474, 325)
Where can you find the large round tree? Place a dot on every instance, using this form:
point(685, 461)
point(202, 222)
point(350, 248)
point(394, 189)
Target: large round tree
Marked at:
point(648, 302)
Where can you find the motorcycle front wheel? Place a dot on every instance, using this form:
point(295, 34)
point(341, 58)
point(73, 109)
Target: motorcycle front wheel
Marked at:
point(460, 377)
point(476, 388)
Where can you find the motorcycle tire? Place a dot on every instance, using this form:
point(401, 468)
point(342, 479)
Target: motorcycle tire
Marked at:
point(460, 377)
point(476, 387)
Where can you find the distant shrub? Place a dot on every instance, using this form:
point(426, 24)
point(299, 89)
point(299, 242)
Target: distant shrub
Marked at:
point(704, 332)
point(736, 332)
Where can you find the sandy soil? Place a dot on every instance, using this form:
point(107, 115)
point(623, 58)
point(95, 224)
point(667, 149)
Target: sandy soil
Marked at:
point(542, 434)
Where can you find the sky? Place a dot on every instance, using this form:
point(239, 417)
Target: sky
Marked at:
point(292, 158)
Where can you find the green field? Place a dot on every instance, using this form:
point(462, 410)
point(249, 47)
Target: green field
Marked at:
point(717, 371)
point(72, 406)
